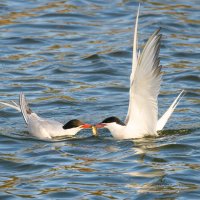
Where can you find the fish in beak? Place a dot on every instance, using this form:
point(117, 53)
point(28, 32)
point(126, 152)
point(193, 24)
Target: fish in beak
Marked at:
point(94, 131)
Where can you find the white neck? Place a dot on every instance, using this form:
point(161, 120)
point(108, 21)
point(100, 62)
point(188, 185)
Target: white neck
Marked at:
point(73, 131)
point(116, 130)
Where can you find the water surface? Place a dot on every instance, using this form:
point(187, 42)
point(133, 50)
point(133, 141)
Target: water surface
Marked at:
point(73, 60)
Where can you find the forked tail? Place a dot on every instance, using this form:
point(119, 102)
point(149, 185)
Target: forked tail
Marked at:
point(24, 107)
point(163, 120)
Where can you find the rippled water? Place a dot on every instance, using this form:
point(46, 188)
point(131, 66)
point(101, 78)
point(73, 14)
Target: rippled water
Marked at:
point(73, 59)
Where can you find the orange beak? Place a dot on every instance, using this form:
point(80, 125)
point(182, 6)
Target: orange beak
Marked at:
point(86, 126)
point(100, 125)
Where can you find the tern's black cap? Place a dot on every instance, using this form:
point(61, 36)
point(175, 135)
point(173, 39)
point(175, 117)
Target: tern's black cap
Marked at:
point(73, 124)
point(113, 119)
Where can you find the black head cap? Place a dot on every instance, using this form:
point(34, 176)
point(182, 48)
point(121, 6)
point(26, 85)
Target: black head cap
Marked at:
point(73, 124)
point(113, 119)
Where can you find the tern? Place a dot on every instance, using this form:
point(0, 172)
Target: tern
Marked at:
point(145, 79)
point(45, 128)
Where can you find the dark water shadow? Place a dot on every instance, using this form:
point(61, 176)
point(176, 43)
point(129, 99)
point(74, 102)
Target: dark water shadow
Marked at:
point(175, 132)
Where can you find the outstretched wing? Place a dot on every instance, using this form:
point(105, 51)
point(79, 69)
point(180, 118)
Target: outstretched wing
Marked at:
point(134, 63)
point(11, 105)
point(145, 85)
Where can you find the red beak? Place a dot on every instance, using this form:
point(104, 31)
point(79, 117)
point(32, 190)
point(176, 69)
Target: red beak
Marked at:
point(100, 125)
point(86, 126)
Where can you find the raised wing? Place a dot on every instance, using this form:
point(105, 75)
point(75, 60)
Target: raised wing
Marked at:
point(145, 85)
point(24, 107)
point(134, 62)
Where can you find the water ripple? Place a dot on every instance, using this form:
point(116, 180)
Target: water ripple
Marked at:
point(73, 59)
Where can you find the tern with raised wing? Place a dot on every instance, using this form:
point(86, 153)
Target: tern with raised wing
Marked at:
point(45, 128)
point(145, 79)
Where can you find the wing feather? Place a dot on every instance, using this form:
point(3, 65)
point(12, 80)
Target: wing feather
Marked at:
point(26, 111)
point(145, 85)
point(11, 105)
point(134, 60)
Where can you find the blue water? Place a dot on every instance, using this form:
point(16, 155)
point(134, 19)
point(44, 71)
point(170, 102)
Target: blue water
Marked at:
point(73, 60)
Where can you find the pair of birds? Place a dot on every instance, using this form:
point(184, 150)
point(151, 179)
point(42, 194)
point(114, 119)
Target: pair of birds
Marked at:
point(142, 116)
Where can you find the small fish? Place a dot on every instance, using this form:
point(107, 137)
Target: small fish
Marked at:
point(94, 130)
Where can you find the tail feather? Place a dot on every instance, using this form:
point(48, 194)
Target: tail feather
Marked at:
point(163, 120)
point(12, 105)
point(24, 107)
